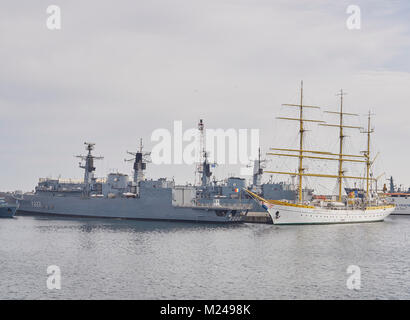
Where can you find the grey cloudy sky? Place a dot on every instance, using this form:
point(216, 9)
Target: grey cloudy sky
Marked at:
point(116, 71)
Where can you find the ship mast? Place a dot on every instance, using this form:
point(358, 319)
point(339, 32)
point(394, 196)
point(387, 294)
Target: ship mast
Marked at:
point(302, 130)
point(140, 160)
point(88, 167)
point(258, 166)
point(258, 170)
point(341, 137)
point(391, 185)
point(341, 126)
point(202, 153)
point(203, 168)
point(367, 154)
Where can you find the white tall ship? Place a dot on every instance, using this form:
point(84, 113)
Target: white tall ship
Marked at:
point(344, 209)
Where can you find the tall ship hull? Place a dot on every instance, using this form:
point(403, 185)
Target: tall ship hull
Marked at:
point(336, 213)
point(284, 214)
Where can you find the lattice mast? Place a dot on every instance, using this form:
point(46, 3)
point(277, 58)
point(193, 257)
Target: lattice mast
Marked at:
point(140, 159)
point(258, 170)
point(203, 169)
point(88, 166)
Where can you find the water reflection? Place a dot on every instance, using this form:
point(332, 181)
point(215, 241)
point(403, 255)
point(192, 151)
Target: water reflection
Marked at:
point(125, 259)
point(123, 225)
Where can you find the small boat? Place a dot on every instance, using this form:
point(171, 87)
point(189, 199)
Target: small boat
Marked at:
point(7, 210)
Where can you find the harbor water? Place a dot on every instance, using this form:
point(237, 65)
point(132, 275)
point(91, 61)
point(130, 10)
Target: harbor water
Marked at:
point(123, 259)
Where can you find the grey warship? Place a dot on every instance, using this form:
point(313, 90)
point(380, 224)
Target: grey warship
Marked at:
point(141, 198)
point(7, 210)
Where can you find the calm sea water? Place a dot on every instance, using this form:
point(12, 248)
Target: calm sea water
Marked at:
point(116, 259)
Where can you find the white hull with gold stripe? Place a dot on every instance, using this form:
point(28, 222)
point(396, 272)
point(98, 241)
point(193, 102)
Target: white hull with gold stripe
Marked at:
point(284, 213)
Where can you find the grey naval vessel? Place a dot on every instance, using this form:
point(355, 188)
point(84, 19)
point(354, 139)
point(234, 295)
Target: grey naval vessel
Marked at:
point(117, 197)
point(7, 210)
point(400, 197)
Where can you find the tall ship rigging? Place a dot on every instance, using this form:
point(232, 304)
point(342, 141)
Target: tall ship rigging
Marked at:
point(270, 189)
point(344, 209)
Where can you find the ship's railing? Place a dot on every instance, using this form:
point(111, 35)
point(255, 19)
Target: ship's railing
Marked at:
point(46, 179)
point(243, 206)
point(351, 204)
point(65, 181)
point(71, 181)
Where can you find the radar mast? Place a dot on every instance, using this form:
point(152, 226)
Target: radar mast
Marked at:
point(140, 159)
point(203, 170)
point(88, 167)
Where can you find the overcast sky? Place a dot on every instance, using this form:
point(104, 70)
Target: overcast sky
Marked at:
point(118, 70)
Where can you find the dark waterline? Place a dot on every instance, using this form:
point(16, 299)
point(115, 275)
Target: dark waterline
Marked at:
point(117, 259)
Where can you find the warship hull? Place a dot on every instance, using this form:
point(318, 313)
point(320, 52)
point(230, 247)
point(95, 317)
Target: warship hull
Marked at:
point(154, 206)
point(8, 212)
point(402, 205)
